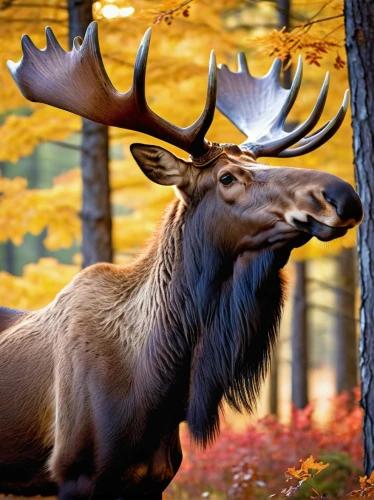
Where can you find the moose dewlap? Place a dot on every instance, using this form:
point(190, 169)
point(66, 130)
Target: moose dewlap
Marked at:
point(94, 386)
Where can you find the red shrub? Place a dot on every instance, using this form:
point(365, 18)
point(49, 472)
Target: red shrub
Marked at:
point(251, 464)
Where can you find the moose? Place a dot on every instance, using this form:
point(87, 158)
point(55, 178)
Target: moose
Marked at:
point(94, 386)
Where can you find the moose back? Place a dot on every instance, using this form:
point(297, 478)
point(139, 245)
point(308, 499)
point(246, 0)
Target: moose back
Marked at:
point(94, 386)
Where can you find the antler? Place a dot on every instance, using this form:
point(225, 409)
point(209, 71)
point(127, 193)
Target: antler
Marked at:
point(259, 107)
point(76, 81)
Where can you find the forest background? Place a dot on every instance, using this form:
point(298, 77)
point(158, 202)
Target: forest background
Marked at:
point(41, 212)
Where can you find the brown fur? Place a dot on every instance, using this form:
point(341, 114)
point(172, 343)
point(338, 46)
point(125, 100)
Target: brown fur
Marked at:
point(8, 317)
point(93, 387)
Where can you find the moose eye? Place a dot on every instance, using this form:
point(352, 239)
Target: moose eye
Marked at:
point(227, 179)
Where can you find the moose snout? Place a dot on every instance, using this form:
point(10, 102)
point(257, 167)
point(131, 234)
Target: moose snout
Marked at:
point(345, 200)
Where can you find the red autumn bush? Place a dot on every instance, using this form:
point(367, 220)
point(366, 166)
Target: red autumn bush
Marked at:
point(251, 464)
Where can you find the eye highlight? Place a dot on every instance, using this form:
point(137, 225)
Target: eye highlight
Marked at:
point(227, 179)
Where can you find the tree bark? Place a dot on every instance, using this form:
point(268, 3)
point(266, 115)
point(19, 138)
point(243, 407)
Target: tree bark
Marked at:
point(299, 342)
point(345, 323)
point(273, 384)
point(283, 7)
point(96, 211)
point(359, 25)
point(284, 14)
point(8, 253)
point(283, 20)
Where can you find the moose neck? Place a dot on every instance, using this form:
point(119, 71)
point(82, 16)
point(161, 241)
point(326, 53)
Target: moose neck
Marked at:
point(215, 322)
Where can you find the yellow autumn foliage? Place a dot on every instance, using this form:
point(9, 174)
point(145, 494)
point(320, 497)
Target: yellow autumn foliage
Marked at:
point(176, 89)
point(25, 210)
point(21, 134)
point(38, 285)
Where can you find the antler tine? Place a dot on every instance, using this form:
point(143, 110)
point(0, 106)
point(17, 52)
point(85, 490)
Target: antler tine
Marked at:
point(273, 148)
point(242, 63)
point(76, 81)
point(274, 71)
point(293, 92)
point(52, 42)
point(138, 85)
point(198, 130)
point(259, 108)
point(321, 136)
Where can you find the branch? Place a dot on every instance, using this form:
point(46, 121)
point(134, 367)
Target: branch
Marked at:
point(66, 145)
point(167, 15)
point(291, 15)
point(118, 60)
point(247, 27)
point(310, 23)
point(332, 312)
point(333, 31)
point(32, 5)
point(41, 20)
point(336, 289)
point(321, 9)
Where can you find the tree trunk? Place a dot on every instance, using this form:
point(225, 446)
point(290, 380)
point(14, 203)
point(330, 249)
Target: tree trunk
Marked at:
point(283, 21)
point(359, 25)
point(96, 213)
point(8, 249)
point(345, 323)
point(299, 322)
point(273, 384)
point(284, 14)
point(299, 340)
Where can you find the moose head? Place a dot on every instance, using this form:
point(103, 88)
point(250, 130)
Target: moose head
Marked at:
point(258, 206)
point(191, 322)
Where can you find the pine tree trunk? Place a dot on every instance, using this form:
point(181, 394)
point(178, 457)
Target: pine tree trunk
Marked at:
point(283, 21)
point(299, 340)
point(299, 319)
point(359, 24)
point(284, 14)
point(96, 213)
point(8, 249)
point(345, 324)
point(273, 383)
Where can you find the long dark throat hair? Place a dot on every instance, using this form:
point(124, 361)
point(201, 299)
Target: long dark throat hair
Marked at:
point(235, 306)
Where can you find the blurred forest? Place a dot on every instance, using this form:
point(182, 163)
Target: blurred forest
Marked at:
point(41, 214)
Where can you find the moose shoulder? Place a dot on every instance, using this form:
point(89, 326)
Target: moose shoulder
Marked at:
point(94, 386)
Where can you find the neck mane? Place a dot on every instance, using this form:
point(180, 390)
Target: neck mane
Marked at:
point(211, 321)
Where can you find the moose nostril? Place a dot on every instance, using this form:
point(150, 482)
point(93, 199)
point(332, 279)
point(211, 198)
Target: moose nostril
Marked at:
point(330, 200)
point(345, 200)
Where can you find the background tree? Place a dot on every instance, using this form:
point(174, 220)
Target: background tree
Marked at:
point(299, 338)
point(359, 25)
point(96, 211)
point(345, 322)
point(299, 326)
point(283, 21)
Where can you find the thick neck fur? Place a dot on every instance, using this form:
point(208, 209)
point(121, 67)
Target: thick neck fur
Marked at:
point(213, 321)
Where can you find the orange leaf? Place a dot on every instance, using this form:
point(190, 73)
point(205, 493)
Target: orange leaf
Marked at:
point(311, 464)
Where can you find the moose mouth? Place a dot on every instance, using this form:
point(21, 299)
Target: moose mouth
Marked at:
point(319, 230)
point(303, 232)
point(293, 236)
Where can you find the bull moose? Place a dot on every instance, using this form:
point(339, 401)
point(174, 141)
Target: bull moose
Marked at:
point(94, 386)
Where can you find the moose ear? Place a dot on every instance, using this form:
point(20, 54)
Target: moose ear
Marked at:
point(159, 165)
